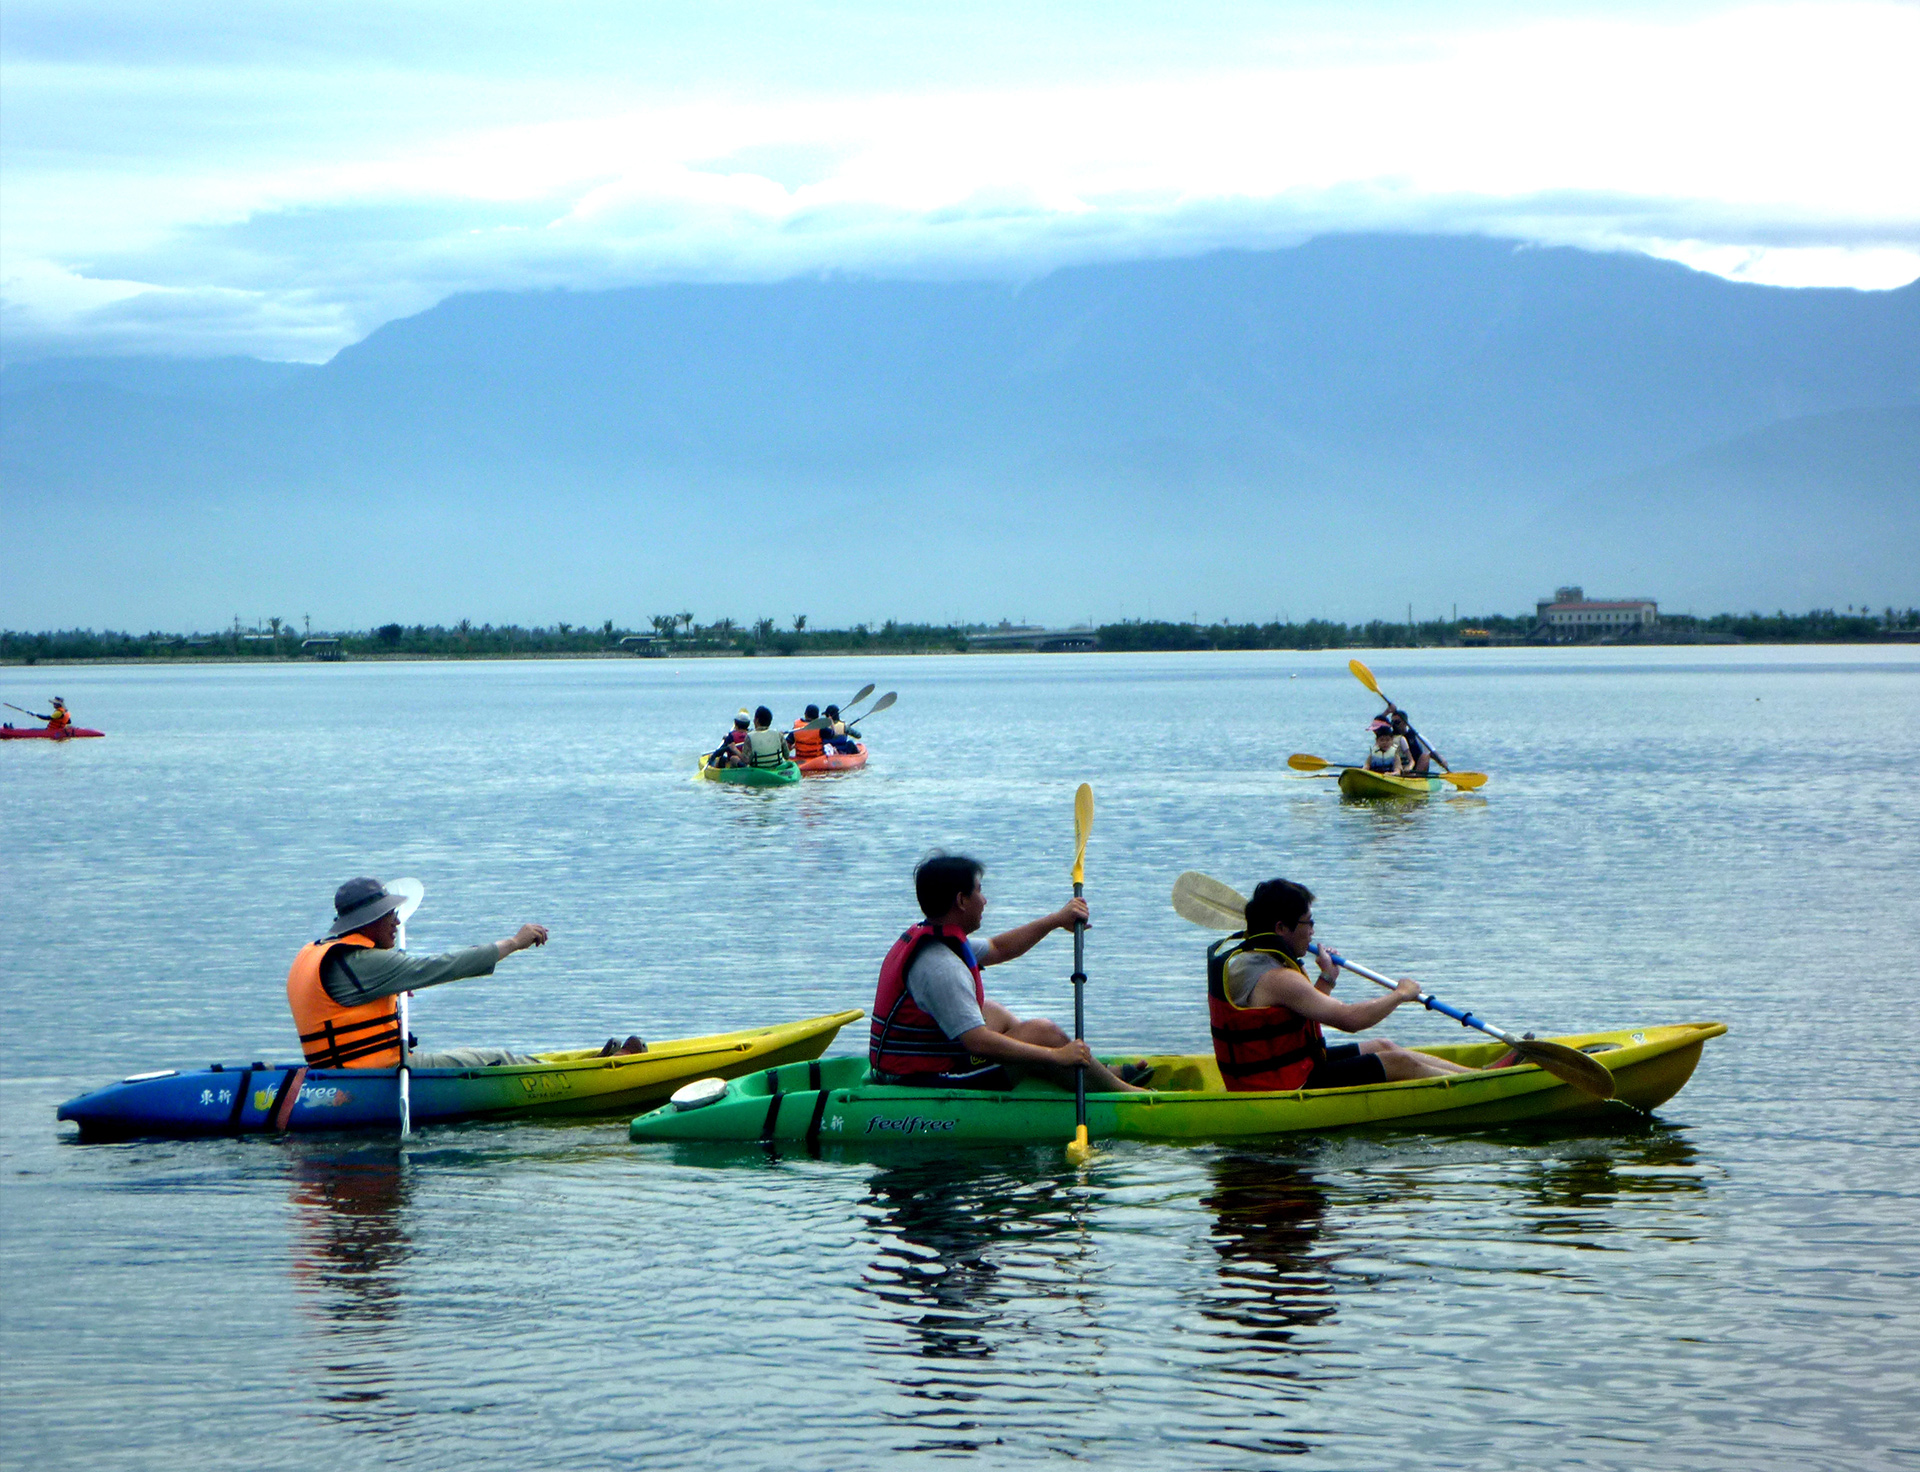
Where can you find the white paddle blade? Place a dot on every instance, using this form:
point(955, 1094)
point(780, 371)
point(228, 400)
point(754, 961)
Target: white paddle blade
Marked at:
point(414, 892)
point(1208, 902)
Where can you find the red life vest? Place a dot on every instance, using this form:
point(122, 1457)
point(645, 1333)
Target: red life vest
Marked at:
point(332, 1036)
point(806, 744)
point(1258, 1048)
point(904, 1038)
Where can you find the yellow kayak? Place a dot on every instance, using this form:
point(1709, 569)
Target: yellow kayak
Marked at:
point(1358, 782)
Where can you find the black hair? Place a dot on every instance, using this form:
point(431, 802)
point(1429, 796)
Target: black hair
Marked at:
point(763, 717)
point(940, 879)
point(1275, 903)
point(813, 713)
point(833, 711)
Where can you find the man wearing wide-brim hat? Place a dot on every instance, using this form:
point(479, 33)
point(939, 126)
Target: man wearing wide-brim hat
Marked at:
point(344, 988)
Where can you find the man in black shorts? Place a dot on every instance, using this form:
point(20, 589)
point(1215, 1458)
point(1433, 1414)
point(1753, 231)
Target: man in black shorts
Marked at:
point(933, 1024)
point(1268, 987)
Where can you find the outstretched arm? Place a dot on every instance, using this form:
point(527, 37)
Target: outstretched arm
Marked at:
point(521, 939)
point(1023, 938)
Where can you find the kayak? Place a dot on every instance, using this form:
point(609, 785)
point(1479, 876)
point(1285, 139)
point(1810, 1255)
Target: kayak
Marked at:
point(835, 761)
point(45, 733)
point(1358, 782)
point(784, 775)
point(268, 1098)
point(836, 1101)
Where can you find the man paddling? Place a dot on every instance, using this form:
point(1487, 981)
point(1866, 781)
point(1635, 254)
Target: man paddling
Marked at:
point(1267, 1015)
point(344, 988)
point(933, 1025)
point(1418, 752)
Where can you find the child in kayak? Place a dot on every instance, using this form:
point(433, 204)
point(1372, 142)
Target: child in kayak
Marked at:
point(732, 750)
point(1388, 754)
point(933, 1025)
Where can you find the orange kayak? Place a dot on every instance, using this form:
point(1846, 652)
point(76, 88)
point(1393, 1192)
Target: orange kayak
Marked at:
point(835, 761)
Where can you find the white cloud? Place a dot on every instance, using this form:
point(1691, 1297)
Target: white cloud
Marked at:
point(1763, 143)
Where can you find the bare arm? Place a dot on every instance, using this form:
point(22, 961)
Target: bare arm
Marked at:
point(1281, 987)
point(1023, 938)
point(984, 1042)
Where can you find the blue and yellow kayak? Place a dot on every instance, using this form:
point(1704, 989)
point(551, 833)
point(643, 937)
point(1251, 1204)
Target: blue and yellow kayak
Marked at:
point(267, 1098)
point(1358, 782)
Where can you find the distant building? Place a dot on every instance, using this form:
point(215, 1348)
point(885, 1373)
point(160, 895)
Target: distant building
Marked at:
point(320, 647)
point(1569, 615)
point(645, 645)
point(1031, 636)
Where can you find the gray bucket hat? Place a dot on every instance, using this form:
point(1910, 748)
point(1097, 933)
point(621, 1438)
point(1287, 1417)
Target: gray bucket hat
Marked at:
point(360, 902)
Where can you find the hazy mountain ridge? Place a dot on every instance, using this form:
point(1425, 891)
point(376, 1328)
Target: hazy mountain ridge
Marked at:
point(1517, 386)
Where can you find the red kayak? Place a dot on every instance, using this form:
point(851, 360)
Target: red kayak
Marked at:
point(44, 733)
point(835, 761)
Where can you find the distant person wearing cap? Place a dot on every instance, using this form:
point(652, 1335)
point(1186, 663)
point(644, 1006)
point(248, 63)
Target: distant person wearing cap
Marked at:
point(344, 988)
point(61, 717)
point(808, 742)
point(1388, 754)
point(1418, 752)
point(732, 750)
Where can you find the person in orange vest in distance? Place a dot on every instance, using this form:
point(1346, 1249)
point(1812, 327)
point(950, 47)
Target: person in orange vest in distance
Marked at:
point(807, 740)
point(344, 988)
point(61, 717)
point(1267, 1015)
point(933, 1025)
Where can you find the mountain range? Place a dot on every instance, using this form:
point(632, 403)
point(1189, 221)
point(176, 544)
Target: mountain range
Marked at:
point(1340, 429)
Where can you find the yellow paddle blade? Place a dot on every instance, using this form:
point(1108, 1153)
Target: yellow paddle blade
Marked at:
point(1301, 762)
point(1465, 781)
point(1082, 826)
point(1364, 676)
point(1079, 1152)
point(1206, 901)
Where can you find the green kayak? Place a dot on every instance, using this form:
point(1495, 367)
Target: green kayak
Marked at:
point(784, 775)
point(833, 1101)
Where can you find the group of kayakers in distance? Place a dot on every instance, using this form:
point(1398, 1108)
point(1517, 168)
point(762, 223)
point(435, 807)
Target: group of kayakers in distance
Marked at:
point(754, 742)
point(1397, 748)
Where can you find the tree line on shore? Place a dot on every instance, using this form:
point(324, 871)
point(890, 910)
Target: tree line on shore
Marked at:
point(681, 633)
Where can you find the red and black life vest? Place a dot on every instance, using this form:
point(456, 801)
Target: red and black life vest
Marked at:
point(904, 1038)
point(333, 1036)
point(1258, 1048)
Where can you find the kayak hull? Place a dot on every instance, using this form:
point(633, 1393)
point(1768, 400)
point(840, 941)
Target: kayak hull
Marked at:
point(1356, 782)
point(45, 733)
point(835, 1102)
point(834, 761)
point(269, 1098)
point(784, 775)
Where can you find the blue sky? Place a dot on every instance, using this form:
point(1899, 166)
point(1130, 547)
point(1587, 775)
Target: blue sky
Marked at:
point(280, 179)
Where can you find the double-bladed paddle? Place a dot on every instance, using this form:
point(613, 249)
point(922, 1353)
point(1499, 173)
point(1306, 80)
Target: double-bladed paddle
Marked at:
point(1206, 901)
point(1365, 676)
point(414, 892)
point(1079, 1151)
point(1465, 781)
point(848, 721)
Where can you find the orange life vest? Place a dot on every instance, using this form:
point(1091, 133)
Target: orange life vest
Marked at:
point(1258, 1047)
point(333, 1036)
point(806, 744)
point(59, 720)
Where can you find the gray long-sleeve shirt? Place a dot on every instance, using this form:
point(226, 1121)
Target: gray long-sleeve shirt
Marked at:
point(354, 975)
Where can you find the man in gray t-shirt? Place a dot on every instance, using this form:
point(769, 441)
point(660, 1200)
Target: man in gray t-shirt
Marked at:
point(941, 984)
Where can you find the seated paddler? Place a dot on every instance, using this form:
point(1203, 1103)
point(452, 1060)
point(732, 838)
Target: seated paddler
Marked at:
point(806, 739)
point(933, 1023)
point(1267, 1015)
point(345, 987)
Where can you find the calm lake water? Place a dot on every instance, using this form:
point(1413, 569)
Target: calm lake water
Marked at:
point(1668, 835)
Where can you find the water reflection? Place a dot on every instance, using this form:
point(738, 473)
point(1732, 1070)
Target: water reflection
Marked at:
point(349, 1234)
point(1268, 1218)
point(1572, 1194)
point(944, 1228)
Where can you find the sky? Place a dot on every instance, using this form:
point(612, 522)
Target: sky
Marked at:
point(278, 179)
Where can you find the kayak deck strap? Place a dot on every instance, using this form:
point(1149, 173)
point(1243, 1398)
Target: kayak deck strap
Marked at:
point(773, 1112)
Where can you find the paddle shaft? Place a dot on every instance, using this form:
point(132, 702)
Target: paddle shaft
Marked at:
point(1425, 999)
point(405, 1073)
point(1079, 1012)
point(24, 711)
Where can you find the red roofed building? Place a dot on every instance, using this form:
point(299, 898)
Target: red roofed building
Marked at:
point(1569, 615)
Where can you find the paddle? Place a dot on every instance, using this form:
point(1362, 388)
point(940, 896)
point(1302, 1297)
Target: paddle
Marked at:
point(865, 691)
point(24, 711)
point(1079, 1151)
point(415, 892)
point(1465, 781)
point(1365, 676)
point(1206, 901)
point(849, 721)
